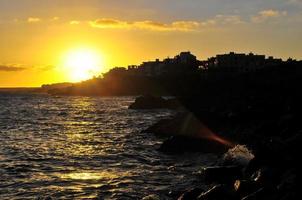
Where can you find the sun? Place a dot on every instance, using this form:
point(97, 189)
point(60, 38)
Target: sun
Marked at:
point(82, 64)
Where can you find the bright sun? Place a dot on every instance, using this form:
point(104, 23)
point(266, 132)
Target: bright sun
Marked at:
point(82, 64)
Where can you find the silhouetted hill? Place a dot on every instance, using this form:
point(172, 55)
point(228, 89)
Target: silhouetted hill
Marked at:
point(282, 78)
point(47, 87)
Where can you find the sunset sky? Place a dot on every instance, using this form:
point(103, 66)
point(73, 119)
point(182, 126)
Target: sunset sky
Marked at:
point(42, 40)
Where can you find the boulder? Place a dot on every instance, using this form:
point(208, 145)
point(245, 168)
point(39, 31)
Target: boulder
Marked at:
point(288, 186)
point(180, 144)
point(293, 149)
point(222, 174)
point(191, 194)
point(181, 124)
point(262, 194)
point(245, 187)
point(218, 192)
point(267, 176)
point(153, 102)
point(151, 197)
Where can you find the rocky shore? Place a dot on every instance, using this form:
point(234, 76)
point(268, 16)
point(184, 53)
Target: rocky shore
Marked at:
point(259, 149)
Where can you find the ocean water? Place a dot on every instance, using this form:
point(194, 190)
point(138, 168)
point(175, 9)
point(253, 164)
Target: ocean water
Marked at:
point(86, 148)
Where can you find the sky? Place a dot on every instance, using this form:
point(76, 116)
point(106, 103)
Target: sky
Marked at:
point(39, 39)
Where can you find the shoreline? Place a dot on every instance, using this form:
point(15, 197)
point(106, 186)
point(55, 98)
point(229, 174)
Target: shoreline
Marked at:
point(258, 169)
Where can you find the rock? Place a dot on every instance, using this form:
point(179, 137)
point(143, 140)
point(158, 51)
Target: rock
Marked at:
point(181, 124)
point(180, 144)
point(175, 194)
point(222, 174)
point(245, 187)
point(151, 197)
point(218, 192)
point(45, 198)
point(269, 153)
point(152, 102)
point(191, 194)
point(253, 166)
point(288, 187)
point(293, 149)
point(262, 194)
point(267, 176)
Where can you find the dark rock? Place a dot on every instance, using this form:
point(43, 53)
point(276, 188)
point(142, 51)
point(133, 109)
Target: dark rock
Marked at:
point(180, 144)
point(153, 102)
point(189, 134)
point(254, 165)
point(269, 152)
point(262, 194)
point(218, 192)
point(293, 149)
point(191, 194)
point(267, 176)
point(151, 197)
point(288, 187)
point(222, 174)
point(245, 187)
point(175, 194)
point(181, 124)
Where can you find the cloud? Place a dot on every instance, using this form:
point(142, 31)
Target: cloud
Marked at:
point(22, 67)
point(223, 20)
point(74, 22)
point(267, 14)
point(55, 19)
point(294, 1)
point(109, 23)
point(11, 68)
point(33, 19)
point(105, 23)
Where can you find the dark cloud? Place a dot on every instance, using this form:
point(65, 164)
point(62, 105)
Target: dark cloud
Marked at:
point(7, 68)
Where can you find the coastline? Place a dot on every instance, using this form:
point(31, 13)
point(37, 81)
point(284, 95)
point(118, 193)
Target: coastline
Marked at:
point(255, 163)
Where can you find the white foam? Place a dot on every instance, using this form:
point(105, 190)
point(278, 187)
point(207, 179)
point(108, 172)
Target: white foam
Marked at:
point(239, 154)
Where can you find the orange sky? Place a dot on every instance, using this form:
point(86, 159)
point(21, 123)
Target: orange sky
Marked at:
point(39, 39)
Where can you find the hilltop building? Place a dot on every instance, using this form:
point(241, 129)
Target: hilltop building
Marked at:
point(183, 62)
point(239, 62)
point(186, 62)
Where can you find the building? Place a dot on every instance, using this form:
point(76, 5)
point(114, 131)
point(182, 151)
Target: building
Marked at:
point(239, 62)
point(185, 61)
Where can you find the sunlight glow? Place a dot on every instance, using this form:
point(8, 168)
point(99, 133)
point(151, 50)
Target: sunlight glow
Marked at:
point(82, 64)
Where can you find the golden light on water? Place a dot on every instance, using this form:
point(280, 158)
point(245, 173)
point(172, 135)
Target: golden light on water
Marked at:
point(82, 64)
point(89, 176)
point(94, 175)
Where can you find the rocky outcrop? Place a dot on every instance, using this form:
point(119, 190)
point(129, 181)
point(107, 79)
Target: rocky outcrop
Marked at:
point(222, 174)
point(153, 102)
point(188, 134)
point(185, 124)
point(218, 192)
point(262, 178)
point(191, 194)
point(180, 144)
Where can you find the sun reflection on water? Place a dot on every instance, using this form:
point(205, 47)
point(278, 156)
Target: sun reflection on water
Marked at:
point(89, 176)
point(92, 175)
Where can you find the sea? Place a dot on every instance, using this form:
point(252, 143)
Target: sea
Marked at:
point(54, 147)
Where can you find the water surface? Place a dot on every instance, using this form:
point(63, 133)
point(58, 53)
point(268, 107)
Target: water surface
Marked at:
point(86, 148)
